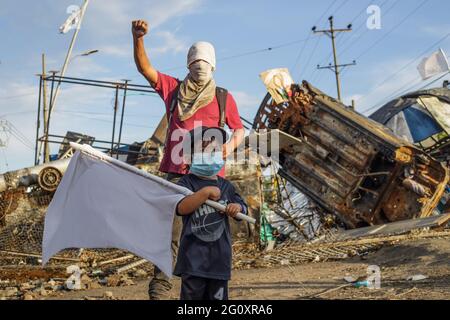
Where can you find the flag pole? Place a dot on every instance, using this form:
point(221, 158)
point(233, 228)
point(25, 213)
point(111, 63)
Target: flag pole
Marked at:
point(87, 149)
point(69, 53)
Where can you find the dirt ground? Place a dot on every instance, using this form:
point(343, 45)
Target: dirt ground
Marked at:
point(324, 280)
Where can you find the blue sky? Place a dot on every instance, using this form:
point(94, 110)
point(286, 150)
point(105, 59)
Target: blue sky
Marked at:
point(30, 28)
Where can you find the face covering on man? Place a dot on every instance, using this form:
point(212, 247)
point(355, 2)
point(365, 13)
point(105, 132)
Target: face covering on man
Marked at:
point(201, 72)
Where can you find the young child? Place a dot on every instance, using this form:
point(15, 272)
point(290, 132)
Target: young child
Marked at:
point(204, 257)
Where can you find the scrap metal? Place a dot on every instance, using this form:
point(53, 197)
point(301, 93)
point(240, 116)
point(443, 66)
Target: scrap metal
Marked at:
point(348, 164)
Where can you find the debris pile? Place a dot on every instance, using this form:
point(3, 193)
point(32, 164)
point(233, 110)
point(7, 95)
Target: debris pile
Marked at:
point(293, 253)
point(337, 169)
point(349, 165)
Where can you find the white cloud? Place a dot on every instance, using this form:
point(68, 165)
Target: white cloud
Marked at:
point(163, 41)
point(435, 30)
point(116, 51)
point(378, 92)
point(245, 100)
point(113, 19)
point(348, 99)
point(84, 66)
point(162, 11)
point(170, 44)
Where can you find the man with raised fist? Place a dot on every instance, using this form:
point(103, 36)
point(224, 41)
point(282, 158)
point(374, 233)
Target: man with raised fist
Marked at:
point(193, 102)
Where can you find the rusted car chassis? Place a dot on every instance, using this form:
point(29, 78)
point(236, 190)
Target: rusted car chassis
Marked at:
point(349, 164)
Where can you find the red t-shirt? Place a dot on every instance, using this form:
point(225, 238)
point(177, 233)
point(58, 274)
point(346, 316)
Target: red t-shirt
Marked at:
point(208, 116)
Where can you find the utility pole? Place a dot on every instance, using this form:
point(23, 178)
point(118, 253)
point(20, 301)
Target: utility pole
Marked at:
point(336, 68)
point(45, 109)
point(69, 52)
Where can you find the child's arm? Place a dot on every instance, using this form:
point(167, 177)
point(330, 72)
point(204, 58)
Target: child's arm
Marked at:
point(191, 203)
point(233, 209)
point(238, 205)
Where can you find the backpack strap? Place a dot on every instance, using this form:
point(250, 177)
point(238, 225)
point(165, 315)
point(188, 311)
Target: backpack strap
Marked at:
point(173, 103)
point(222, 95)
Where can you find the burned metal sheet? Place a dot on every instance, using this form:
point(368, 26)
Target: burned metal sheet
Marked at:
point(349, 164)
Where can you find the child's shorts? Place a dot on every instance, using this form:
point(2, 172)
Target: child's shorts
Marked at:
point(196, 288)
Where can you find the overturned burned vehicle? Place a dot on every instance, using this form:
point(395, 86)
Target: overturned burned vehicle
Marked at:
point(422, 118)
point(348, 164)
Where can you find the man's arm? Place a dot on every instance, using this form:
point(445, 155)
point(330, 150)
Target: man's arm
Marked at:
point(139, 29)
point(235, 142)
point(191, 203)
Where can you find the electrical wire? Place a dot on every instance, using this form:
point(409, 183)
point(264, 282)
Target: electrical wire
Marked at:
point(17, 96)
point(409, 89)
point(330, 55)
point(108, 114)
point(393, 75)
point(365, 31)
point(5, 158)
point(395, 27)
point(244, 54)
point(16, 133)
point(300, 55)
point(110, 121)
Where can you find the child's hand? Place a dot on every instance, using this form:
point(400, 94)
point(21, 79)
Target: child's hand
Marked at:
point(233, 209)
point(213, 193)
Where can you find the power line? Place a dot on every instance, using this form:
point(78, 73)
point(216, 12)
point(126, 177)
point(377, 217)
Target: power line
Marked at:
point(410, 89)
point(351, 44)
point(17, 96)
point(297, 60)
point(314, 70)
point(393, 29)
point(14, 113)
point(248, 53)
point(339, 42)
point(110, 121)
point(340, 7)
point(336, 67)
point(8, 127)
point(434, 81)
point(394, 94)
point(409, 63)
point(5, 158)
point(20, 134)
point(108, 114)
point(385, 13)
point(313, 51)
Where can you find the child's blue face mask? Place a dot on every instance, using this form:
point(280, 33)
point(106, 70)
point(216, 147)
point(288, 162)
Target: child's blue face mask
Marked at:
point(207, 164)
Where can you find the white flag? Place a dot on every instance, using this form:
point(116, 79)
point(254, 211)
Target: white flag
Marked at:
point(72, 21)
point(100, 205)
point(435, 64)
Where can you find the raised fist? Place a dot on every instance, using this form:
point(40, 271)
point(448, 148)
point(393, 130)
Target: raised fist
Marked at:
point(139, 28)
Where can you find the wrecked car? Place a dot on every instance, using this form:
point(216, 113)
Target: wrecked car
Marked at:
point(348, 164)
point(422, 118)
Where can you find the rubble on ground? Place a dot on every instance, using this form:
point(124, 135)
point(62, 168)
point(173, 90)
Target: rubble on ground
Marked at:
point(319, 191)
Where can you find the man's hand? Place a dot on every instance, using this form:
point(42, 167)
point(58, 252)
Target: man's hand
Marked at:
point(139, 28)
point(233, 209)
point(213, 193)
point(235, 141)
